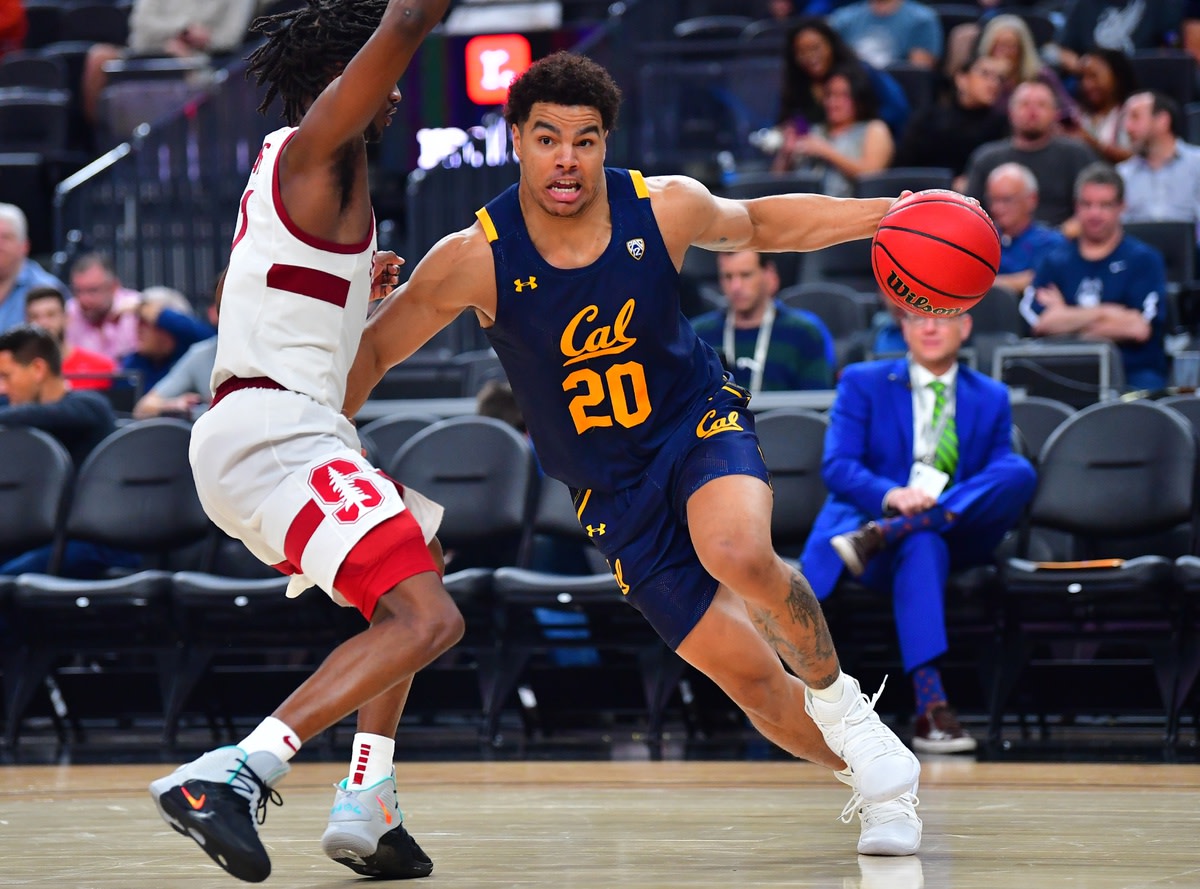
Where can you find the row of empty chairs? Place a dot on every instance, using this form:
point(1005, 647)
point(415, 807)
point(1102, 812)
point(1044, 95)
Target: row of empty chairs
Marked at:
point(1116, 482)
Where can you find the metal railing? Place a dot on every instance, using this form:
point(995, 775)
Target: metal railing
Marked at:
point(163, 204)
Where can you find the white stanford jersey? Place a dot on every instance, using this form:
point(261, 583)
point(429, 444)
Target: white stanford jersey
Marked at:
point(293, 306)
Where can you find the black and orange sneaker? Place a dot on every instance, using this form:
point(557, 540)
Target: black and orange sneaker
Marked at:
point(217, 800)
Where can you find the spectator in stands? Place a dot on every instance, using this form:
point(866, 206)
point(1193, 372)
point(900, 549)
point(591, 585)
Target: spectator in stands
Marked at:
point(1106, 80)
point(169, 28)
point(1125, 25)
point(944, 134)
point(38, 396)
point(886, 31)
point(1191, 28)
point(102, 314)
point(166, 329)
point(904, 510)
point(1162, 178)
point(18, 273)
point(1106, 286)
point(851, 142)
point(887, 336)
point(186, 389)
point(13, 26)
point(495, 399)
point(46, 307)
point(31, 372)
point(1035, 143)
point(1012, 199)
point(1008, 39)
point(813, 51)
point(765, 344)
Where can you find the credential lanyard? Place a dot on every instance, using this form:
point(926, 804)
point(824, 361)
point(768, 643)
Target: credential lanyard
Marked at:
point(757, 364)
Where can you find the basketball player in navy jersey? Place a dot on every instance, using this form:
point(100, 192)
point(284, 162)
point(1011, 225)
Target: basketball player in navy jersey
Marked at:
point(574, 274)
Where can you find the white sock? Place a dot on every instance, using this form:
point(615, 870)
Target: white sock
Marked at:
point(832, 693)
point(372, 760)
point(272, 736)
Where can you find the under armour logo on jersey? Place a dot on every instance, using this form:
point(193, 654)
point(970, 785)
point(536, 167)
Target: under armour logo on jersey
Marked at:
point(531, 283)
point(345, 488)
point(636, 247)
point(596, 530)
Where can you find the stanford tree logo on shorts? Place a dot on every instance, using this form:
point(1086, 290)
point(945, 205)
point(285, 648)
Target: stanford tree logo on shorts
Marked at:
point(343, 484)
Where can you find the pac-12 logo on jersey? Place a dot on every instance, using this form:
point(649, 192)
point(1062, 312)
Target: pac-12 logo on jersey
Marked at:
point(636, 247)
point(345, 488)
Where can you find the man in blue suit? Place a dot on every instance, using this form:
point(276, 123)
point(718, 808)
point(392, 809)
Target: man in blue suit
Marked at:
point(922, 480)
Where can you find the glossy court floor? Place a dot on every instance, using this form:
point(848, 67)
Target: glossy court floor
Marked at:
point(600, 825)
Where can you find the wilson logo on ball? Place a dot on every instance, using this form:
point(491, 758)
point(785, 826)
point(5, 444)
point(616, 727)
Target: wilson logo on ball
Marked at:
point(935, 253)
point(914, 301)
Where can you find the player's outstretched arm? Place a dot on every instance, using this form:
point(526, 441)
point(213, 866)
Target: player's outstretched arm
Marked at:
point(692, 216)
point(347, 106)
point(456, 274)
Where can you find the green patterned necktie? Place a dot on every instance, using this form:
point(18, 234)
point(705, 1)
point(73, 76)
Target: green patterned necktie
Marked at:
point(945, 457)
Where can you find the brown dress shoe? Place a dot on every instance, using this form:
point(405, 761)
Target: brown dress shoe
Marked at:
point(939, 731)
point(857, 548)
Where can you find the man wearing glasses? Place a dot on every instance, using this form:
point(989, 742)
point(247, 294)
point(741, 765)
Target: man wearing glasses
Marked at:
point(1012, 199)
point(922, 481)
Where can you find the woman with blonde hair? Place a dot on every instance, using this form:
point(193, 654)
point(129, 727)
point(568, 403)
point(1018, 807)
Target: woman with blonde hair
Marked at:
point(1007, 38)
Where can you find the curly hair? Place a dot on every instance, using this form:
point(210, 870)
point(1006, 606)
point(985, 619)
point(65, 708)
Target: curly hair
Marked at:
point(796, 96)
point(564, 78)
point(305, 48)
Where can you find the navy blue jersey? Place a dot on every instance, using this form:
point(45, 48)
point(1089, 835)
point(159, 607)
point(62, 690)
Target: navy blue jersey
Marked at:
point(1134, 276)
point(602, 362)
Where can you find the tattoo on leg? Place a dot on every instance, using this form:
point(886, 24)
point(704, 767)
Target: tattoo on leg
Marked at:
point(808, 656)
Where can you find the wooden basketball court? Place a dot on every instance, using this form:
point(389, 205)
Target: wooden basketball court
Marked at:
point(597, 825)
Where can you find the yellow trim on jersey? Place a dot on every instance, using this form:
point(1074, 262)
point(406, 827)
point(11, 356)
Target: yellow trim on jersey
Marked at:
point(583, 504)
point(639, 184)
point(734, 391)
point(489, 227)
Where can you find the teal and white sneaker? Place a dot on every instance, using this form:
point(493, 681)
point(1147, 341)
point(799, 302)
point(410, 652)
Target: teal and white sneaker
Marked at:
point(217, 799)
point(366, 833)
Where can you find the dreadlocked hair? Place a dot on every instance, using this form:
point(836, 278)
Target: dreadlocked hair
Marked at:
point(305, 48)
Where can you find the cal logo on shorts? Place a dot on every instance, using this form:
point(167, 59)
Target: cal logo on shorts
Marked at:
point(710, 424)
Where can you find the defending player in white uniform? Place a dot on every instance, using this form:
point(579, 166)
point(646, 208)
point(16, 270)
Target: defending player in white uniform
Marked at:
point(279, 467)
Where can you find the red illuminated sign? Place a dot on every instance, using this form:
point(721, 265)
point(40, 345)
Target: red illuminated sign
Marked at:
point(493, 62)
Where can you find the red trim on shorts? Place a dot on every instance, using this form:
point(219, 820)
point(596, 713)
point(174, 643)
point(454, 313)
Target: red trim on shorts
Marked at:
point(388, 554)
point(310, 282)
point(233, 384)
point(301, 530)
point(286, 568)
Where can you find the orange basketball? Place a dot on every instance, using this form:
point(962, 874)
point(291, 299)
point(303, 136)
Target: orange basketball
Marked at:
point(935, 253)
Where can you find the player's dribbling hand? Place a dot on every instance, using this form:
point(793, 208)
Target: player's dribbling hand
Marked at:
point(385, 274)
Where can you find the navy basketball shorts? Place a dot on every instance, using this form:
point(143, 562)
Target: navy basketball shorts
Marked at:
point(642, 531)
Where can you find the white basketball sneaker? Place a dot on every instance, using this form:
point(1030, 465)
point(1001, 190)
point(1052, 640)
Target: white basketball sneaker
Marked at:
point(883, 768)
point(366, 833)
